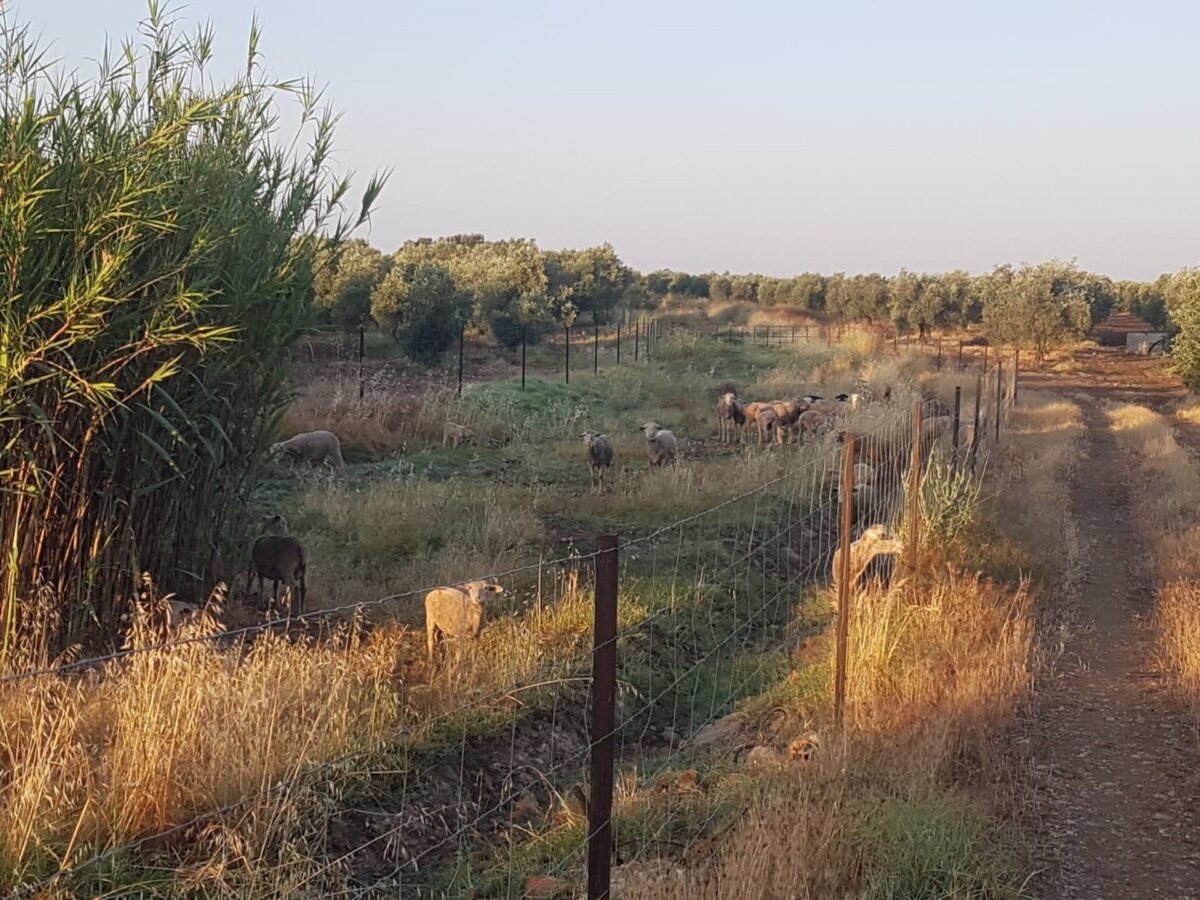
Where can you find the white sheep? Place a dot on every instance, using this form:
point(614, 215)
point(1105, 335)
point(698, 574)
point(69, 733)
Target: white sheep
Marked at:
point(731, 416)
point(457, 612)
point(599, 457)
point(660, 445)
point(878, 540)
point(311, 447)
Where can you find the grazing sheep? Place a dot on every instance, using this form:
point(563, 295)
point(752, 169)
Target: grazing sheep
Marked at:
point(311, 447)
point(887, 458)
point(767, 423)
point(456, 612)
point(841, 405)
point(863, 491)
point(599, 457)
point(660, 445)
point(787, 412)
point(811, 423)
point(454, 435)
point(731, 416)
point(876, 541)
point(277, 556)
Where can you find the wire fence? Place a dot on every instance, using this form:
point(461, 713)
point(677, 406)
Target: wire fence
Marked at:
point(585, 761)
point(635, 340)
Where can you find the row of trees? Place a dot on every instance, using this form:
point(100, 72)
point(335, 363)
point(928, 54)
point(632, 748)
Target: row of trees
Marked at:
point(429, 289)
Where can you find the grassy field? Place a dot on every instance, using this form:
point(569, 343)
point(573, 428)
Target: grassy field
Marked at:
point(360, 768)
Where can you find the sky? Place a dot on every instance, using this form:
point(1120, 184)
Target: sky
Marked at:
point(746, 136)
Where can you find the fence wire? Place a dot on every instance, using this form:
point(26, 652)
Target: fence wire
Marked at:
point(708, 602)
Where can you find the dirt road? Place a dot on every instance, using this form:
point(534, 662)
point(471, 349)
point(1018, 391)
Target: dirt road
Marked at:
point(1114, 760)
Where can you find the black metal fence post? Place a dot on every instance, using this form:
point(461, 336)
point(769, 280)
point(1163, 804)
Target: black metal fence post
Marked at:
point(618, 342)
point(567, 357)
point(523, 346)
point(985, 350)
point(960, 346)
point(939, 352)
point(1016, 373)
point(604, 707)
point(999, 395)
point(637, 338)
point(595, 349)
point(362, 353)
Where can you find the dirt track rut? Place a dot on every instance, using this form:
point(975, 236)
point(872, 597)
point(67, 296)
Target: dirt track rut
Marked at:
point(1114, 760)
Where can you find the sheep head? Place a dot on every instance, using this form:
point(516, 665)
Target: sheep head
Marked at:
point(650, 429)
point(275, 524)
point(482, 591)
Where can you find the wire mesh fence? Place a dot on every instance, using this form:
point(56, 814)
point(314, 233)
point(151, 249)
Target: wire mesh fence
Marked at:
point(632, 659)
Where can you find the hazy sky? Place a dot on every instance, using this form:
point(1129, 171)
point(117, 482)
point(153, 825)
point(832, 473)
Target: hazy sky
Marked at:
point(750, 136)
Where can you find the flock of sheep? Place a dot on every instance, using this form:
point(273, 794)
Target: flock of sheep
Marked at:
point(459, 611)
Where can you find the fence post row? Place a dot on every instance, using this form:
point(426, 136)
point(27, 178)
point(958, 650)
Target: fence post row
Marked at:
point(914, 485)
point(462, 333)
point(362, 352)
point(604, 705)
point(843, 576)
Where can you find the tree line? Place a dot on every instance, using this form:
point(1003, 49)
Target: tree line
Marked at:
point(429, 289)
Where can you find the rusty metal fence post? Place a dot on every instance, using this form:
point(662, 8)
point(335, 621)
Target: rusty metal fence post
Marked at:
point(843, 577)
point(914, 488)
point(604, 707)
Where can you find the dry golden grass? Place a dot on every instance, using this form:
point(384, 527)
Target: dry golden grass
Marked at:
point(1168, 493)
point(149, 741)
point(931, 679)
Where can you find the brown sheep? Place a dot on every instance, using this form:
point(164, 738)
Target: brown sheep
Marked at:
point(454, 435)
